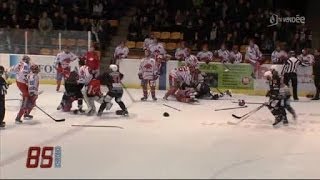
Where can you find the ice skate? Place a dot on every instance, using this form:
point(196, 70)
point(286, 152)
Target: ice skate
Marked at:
point(154, 98)
point(285, 121)
point(2, 124)
point(122, 112)
point(91, 112)
point(277, 121)
point(228, 92)
point(60, 106)
point(18, 121)
point(144, 98)
point(27, 117)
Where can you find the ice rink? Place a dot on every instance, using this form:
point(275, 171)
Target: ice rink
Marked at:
point(196, 142)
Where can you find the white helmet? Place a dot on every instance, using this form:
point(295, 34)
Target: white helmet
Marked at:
point(273, 67)
point(113, 67)
point(267, 74)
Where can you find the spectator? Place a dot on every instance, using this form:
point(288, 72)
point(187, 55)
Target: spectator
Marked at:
point(14, 23)
point(45, 24)
point(25, 23)
point(189, 33)
point(57, 21)
point(75, 24)
point(134, 30)
point(97, 9)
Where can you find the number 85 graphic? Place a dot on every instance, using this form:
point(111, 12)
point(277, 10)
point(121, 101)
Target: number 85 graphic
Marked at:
point(34, 157)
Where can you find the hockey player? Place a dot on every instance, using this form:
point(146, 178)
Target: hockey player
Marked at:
point(92, 60)
point(120, 52)
point(254, 55)
point(276, 102)
point(22, 70)
point(235, 56)
point(149, 41)
point(33, 90)
point(159, 54)
point(62, 65)
point(186, 95)
point(205, 55)
point(191, 60)
point(113, 80)
point(306, 58)
point(3, 91)
point(181, 52)
point(278, 56)
point(177, 77)
point(148, 74)
point(223, 54)
point(93, 94)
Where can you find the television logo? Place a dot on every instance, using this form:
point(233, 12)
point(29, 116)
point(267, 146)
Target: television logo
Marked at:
point(46, 156)
point(276, 19)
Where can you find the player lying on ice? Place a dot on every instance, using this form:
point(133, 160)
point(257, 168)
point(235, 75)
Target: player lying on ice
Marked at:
point(188, 86)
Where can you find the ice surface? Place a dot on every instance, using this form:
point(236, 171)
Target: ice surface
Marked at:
point(196, 142)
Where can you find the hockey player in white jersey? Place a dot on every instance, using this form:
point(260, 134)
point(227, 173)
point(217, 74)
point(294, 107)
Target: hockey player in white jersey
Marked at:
point(191, 60)
point(181, 52)
point(33, 91)
point(120, 52)
point(205, 55)
point(235, 56)
point(148, 74)
point(177, 77)
point(62, 65)
point(306, 58)
point(278, 56)
point(159, 54)
point(254, 55)
point(223, 54)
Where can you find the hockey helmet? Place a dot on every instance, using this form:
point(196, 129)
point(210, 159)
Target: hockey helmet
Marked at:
point(267, 74)
point(113, 67)
point(34, 68)
point(26, 59)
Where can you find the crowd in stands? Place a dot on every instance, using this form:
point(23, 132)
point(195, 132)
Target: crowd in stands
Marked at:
point(232, 22)
point(46, 16)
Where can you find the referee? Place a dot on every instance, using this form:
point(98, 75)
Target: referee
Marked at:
point(316, 74)
point(289, 73)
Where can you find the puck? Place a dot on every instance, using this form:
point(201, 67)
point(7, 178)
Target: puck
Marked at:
point(242, 102)
point(165, 114)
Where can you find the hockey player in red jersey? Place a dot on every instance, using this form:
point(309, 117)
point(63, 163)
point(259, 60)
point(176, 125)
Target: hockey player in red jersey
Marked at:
point(148, 74)
point(33, 90)
point(93, 94)
point(93, 60)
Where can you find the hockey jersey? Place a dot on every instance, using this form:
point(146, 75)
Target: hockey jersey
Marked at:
point(148, 68)
point(192, 61)
point(205, 56)
point(33, 83)
point(253, 54)
point(223, 55)
point(120, 52)
point(235, 57)
point(277, 55)
point(94, 88)
point(63, 59)
point(22, 70)
point(84, 75)
point(181, 53)
point(306, 60)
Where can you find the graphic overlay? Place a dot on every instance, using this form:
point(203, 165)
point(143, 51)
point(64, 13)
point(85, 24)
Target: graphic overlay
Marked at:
point(44, 157)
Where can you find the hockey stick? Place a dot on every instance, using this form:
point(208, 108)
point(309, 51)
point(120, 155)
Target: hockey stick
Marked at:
point(171, 107)
point(129, 94)
point(13, 99)
point(57, 120)
point(249, 113)
point(226, 67)
point(97, 126)
point(239, 107)
point(248, 102)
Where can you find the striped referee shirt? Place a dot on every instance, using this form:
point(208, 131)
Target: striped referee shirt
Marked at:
point(291, 65)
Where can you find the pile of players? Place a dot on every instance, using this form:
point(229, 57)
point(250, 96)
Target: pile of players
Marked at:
point(187, 83)
point(85, 84)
